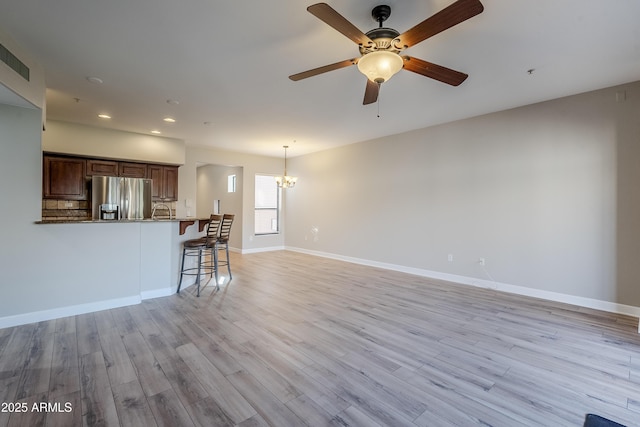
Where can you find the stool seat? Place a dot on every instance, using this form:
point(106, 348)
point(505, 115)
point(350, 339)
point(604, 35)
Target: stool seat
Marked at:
point(203, 241)
point(194, 243)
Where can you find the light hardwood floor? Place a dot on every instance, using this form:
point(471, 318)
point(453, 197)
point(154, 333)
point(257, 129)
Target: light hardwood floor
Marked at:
point(298, 340)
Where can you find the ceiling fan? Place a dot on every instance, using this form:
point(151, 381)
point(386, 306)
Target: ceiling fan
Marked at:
point(380, 48)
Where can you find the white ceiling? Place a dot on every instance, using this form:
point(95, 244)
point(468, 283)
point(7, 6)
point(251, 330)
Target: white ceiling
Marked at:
point(227, 64)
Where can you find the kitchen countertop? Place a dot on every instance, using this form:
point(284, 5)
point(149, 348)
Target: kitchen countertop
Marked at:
point(184, 222)
point(120, 221)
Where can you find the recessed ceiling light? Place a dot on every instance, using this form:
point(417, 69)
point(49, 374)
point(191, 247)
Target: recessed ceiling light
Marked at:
point(104, 116)
point(156, 132)
point(96, 80)
point(169, 120)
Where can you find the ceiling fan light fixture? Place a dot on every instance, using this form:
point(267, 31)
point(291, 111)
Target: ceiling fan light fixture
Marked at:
point(380, 66)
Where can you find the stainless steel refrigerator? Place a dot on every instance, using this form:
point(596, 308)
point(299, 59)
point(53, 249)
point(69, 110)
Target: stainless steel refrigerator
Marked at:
point(116, 198)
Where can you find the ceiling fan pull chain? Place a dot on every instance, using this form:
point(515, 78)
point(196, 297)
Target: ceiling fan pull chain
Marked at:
point(379, 87)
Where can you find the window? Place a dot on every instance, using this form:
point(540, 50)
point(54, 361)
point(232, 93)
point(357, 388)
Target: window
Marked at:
point(267, 207)
point(231, 184)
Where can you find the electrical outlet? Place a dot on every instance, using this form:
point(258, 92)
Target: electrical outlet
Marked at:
point(450, 258)
point(481, 261)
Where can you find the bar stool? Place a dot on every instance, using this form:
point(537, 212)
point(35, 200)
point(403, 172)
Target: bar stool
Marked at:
point(198, 248)
point(223, 243)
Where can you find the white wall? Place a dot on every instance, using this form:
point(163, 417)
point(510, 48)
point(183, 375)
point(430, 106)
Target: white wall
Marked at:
point(44, 267)
point(71, 138)
point(546, 193)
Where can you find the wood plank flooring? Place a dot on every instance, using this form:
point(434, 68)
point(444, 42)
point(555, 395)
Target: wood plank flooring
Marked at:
point(299, 340)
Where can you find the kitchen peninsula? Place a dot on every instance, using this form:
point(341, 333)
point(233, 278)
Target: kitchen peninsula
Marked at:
point(123, 261)
point(142, 257)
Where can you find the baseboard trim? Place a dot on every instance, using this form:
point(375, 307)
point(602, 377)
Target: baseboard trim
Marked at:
point(258, 250)
point(157, 293)
point(481, 283)
point(73, 310)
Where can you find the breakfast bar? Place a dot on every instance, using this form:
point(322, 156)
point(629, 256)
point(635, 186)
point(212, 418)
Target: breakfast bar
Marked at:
point(141, 256)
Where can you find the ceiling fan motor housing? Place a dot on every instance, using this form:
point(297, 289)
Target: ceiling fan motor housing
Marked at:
point(382, 37)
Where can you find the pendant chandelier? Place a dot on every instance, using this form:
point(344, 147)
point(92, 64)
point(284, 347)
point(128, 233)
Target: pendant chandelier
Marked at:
point(286, 181)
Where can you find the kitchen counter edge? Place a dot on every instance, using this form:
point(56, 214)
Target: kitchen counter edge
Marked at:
point(122, 221)
point(184, 223)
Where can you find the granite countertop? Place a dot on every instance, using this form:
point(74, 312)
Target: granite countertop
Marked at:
point(102, 221)
point(184, 222)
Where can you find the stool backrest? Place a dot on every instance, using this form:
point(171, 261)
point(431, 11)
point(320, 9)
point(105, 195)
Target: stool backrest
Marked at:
point(213, 227)
point(225, 227)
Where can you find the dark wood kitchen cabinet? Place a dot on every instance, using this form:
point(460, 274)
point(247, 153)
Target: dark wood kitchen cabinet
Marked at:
point(115, 168)
point(132, 170)
point(64, 178)
point(69, 177)
point(102, 167)
point(165, 182)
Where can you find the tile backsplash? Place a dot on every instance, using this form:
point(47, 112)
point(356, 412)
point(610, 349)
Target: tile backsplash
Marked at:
point(66, 209)
point(80, 210)
point(163, 212)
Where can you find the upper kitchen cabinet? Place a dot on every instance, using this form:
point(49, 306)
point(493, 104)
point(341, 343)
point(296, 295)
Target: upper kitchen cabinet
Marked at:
point(64, 178)
point(69, 177)
point(115, 168)
point(165, 182)
point(132, 170)
point(102, 167)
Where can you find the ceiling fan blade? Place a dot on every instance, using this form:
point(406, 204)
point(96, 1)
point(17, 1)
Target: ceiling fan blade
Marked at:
point(371, 92)
point(329, 16)
point(451, 15)
point(324, 69)
point(434, 71)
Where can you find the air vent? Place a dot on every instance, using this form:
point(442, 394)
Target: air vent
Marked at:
point(12, 61)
